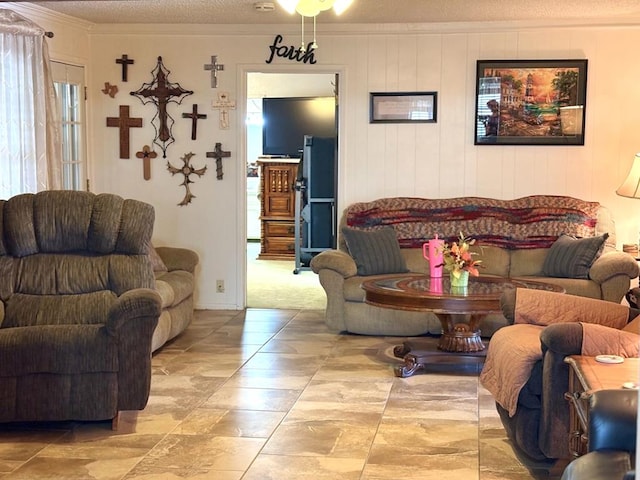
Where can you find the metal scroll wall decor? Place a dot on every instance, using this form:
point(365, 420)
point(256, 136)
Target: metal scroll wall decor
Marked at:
point(161, 92)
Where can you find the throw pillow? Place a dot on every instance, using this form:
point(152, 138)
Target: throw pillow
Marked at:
point(571, 257)
point(375, 251)
point(156, 261)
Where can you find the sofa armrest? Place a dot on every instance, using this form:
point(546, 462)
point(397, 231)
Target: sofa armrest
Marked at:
point(134, 304)
point(178, 258)
point(562, 338)
point(610, 264)
point(336, 260)
point(1, 312)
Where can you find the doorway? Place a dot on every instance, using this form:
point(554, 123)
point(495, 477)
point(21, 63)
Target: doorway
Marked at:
point(270, 280)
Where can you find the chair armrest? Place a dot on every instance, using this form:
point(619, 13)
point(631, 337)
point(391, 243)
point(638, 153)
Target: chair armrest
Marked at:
point(1, 312)
point(336, 260)
point(562, 338)
point(610, 264)
point(134, 304)
point(612, 420)
point(178, 258)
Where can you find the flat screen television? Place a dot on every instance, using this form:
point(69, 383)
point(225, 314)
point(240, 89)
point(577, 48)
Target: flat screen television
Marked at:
point(287, 120)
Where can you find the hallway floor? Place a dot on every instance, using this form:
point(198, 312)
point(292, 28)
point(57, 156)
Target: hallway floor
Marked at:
point(271, 394)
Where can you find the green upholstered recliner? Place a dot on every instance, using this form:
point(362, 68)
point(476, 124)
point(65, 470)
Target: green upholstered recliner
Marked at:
point(77, 306)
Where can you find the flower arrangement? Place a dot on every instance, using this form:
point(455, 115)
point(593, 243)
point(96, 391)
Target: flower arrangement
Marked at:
point(457, 257)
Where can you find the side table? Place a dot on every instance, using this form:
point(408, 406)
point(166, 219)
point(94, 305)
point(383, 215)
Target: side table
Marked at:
point(586, 375)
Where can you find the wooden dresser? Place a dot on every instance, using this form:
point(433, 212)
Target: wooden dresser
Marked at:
point(277, 208)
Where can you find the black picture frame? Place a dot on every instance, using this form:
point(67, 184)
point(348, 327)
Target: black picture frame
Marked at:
point(403, 107)
point(530, 102)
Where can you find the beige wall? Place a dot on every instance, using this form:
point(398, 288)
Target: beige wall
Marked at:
point(432, 160)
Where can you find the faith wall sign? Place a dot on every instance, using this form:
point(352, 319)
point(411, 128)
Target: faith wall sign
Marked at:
point(290, 52)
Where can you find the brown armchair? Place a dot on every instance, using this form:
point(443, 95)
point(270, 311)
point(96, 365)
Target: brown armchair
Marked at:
point(553, 326)
point(77, 306)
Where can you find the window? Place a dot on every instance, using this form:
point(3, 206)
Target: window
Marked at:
point(69, 84)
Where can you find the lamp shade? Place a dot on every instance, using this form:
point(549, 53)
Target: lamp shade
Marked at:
point(631, 186)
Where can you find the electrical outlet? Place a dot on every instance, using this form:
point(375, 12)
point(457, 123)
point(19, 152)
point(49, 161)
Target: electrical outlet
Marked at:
point(220, 286)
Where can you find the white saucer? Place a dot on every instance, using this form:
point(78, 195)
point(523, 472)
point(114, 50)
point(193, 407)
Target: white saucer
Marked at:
point(609, 359)
point(630, 385)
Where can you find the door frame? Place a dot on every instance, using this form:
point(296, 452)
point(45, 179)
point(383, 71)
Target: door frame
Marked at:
point(241, 147)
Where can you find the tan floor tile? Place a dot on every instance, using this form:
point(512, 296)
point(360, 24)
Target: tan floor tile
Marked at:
point(260, 378)
point(285, 467)
point(202, 452)
point(286, 362)
point(328, 438)
point(231, 423)
point(108, 466)
point(275, 400)
point(183, 474)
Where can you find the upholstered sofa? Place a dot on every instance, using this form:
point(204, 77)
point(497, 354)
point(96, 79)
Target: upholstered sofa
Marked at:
point(525, 368)
point(174, 270)
point(78, 306)
point(513, 239)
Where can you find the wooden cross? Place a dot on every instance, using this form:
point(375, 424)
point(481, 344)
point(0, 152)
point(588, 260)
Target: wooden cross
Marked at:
point(194, 116)
point(124, 123)
point(186, 170)
point(125, 61)
point(146, 155)
point(160, 92)
point(218, 154)
point(224, 105)
point(215, 67)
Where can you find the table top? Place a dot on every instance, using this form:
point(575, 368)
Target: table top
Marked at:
point(422, 293)
point(594, 375)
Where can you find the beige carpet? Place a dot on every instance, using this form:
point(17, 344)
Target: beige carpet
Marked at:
point(272, 284)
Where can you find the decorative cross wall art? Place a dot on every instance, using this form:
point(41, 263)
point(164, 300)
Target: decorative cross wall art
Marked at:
point(214, 67)
point(186, 170)
point(124, 122)
point(161, 92)
point(224, 105)
point(146, 155)
point(218, 154)
point(194, 116)
point(125, 61)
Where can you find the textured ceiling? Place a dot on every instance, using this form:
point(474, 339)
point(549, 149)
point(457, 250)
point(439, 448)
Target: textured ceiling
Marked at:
point(361, 11)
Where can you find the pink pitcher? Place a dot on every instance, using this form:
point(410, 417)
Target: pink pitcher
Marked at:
point(432, 251)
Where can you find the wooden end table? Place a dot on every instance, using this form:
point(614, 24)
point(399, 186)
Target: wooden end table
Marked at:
point(586, 376)
point(452, 306)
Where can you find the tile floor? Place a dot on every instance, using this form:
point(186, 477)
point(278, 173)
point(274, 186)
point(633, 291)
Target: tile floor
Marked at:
point(271, 394)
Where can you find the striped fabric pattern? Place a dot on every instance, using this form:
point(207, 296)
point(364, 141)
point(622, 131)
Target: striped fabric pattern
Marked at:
point(524, 223)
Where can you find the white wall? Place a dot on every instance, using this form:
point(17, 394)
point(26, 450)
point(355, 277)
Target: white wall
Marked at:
point(431, 160)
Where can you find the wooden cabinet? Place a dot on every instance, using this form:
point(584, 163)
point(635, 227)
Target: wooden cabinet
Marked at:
point(277, 208)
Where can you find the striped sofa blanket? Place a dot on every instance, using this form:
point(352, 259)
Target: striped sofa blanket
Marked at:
point(525, 223)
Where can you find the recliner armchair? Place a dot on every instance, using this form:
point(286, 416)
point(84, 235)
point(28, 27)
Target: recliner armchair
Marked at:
point(77, 306)
point(612, 438)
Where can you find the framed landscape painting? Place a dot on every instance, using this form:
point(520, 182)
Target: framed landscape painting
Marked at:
point(530, 102)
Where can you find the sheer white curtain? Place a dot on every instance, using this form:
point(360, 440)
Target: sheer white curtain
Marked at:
point(30, 156)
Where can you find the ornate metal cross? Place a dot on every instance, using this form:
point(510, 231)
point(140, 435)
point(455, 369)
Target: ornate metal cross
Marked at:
point(124, 122)
point(146, 155)
point(186, 170)
point(218, 154)
point(125, 61)
point(194, 116)
point(161, 92)
point(215, 67)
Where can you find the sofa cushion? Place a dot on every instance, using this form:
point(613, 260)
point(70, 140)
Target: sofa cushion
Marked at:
point(375, 251)
point(571, 257)
point(156, 261)
point(174, 287)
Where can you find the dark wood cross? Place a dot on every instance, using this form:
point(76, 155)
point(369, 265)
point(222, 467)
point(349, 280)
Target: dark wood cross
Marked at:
point(194, 116)
point(186, 170)
point(218, 154)
point(160, 91)
point(146, 155)
point(125, 61)
point(124, 122)
point(215, 67)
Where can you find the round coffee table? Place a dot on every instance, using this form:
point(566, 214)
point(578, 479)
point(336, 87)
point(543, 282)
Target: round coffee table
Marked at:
point(452, 305)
